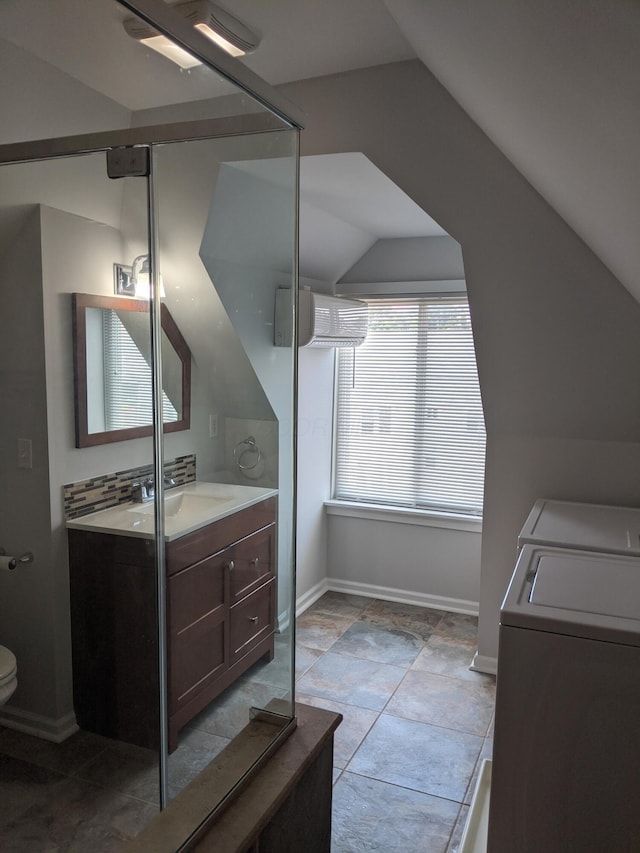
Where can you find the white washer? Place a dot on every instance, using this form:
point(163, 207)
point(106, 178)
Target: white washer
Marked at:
point(589, 527)
point(566, 753)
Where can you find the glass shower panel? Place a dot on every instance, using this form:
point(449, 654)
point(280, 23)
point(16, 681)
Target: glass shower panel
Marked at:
point(226, 218)
point(79, 737)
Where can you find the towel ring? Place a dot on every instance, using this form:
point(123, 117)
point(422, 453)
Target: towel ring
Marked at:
point(251, 447)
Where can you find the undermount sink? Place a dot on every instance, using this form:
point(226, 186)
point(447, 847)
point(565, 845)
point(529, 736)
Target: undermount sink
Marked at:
point(181, 504)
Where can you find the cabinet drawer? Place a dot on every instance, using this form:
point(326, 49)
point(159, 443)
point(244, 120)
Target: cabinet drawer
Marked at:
point(252, 620)
point(253, 563)
point(196, 592)
point(214, 537)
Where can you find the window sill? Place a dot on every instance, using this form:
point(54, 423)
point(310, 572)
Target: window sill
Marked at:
point(402, 515)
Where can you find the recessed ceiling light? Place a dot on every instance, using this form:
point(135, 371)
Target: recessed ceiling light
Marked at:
point(217, 24)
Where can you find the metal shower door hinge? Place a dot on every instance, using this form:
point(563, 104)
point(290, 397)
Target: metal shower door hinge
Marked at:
point(130, 161)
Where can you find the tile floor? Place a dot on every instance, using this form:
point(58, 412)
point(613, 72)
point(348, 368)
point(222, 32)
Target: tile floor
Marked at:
point(94, 793)
point(88, 793)
point(416, 725)
point(417, 722)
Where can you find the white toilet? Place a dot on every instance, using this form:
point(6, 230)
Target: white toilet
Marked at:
point(8, 674)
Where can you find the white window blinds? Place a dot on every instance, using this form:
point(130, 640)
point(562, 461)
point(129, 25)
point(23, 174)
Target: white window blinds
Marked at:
point(127, 386)
point(410, 429)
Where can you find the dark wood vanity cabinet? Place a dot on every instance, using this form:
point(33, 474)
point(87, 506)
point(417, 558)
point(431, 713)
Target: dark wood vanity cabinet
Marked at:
point(221, 613)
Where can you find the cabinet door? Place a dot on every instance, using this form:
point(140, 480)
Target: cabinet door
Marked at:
point(196, 617)
point(252, 621)
point(253, 563)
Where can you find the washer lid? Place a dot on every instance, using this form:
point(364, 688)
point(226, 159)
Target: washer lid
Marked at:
point(578, 593)
point(592, 527)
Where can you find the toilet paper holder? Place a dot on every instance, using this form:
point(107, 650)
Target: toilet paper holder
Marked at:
point(12, 562)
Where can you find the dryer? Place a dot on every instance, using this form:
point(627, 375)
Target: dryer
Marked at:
point(566, 758)
point(589, 527)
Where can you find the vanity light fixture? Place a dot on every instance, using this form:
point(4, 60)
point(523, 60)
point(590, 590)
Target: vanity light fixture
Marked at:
point(217, 24)
point(134, 280)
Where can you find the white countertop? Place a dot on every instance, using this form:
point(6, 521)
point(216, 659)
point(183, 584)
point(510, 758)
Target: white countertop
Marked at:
point(187, 508)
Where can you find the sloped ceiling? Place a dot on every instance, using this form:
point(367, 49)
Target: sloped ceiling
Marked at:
point(555, 84)
point(299, 39)
point(346, 205)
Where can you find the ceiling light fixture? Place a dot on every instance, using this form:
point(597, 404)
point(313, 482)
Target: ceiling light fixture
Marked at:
point(217, 24)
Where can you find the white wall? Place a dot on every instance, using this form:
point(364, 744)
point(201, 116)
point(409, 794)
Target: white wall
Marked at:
point(315, 436)
point(186, 180)
point(28, 595)
point(557, 336)
point(428, 565)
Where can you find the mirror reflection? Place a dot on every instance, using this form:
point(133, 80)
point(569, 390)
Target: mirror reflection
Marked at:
point(112, 370)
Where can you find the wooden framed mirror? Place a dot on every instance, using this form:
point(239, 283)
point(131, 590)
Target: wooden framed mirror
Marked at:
point(112, 370)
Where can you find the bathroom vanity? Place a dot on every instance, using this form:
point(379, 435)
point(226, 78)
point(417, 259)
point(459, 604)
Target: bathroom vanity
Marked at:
point(220, 553)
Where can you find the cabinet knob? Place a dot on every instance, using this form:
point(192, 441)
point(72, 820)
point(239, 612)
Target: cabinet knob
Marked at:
point(255, 561)
point(231, 565)
point(253, 619)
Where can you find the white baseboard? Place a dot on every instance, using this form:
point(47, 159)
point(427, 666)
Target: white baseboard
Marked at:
point(39, 726)
point(403, 596)
point(311, 596)
point(484, 663)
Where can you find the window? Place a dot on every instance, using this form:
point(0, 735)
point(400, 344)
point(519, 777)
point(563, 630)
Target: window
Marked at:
point(410, 430)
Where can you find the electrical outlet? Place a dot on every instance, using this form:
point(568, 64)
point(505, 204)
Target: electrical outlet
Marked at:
point(213, 426)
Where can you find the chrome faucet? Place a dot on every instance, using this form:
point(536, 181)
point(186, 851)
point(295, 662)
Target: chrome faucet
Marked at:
point(143, 492)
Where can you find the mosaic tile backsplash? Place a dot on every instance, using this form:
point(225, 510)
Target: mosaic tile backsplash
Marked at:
point(112, 489)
